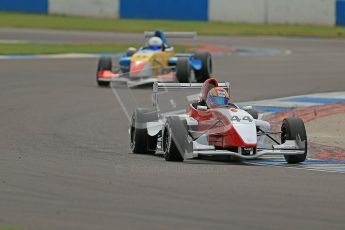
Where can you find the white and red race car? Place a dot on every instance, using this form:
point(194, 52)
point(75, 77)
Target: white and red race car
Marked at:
point(201, 131)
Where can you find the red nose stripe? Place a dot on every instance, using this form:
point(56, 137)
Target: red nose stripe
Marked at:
point(168, 76)
point(107, 74)
point(137, 67)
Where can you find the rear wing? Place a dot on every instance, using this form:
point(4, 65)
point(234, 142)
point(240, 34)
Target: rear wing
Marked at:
point(160, 86)
point(149, 34)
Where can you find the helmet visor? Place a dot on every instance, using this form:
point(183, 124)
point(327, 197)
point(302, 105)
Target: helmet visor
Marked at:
point(220, 100)
point(155, 47)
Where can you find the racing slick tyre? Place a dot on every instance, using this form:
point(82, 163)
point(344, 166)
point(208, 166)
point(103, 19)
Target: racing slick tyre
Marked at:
point(206, 68)
point(104, 63)
point(175, 139)
point(140, 140)
point(293, 129)
point(253, 112)
point(183, 70)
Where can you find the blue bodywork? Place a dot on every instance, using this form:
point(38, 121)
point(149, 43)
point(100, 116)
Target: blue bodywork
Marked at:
point(196, 64)
point(125, 61)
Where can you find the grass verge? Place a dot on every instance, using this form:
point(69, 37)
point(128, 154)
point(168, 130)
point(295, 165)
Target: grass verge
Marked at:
point(8, 228)
point(28, 48)
point(20, 20)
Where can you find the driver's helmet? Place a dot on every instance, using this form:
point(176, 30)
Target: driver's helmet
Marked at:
point(206, 87)
point(155, 43)
point(217, 98)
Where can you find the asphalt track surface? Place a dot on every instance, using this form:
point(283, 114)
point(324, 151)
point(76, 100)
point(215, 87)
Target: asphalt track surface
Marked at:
point(65, 161)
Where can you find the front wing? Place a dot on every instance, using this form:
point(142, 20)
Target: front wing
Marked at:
point(109, 76)
point(290, 147)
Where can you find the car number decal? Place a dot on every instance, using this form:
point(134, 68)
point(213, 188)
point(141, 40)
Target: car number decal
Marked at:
point(245, 118)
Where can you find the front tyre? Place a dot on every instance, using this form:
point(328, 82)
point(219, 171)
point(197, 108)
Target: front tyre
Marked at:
point(140, 141)
point(175, 139)
point(253, 112)
point(104, 63)
point(293, 129)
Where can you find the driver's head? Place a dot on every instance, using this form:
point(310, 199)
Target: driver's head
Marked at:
point(206, 87)
point(157, 33)
point(155, 43)
point(217, 98)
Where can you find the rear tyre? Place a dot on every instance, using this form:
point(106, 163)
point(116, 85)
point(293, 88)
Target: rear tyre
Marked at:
point(183, 70)
point(140, 141)
point(104, 63)
point(292, 129)
point(175, 139)
point(206, 68)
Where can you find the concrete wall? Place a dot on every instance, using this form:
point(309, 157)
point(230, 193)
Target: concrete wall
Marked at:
point(237, 10)
point(93, 8)
point(319, 12)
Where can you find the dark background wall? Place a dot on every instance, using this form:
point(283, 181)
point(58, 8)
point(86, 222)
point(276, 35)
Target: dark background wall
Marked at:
point(167, 9)
point(32, 6)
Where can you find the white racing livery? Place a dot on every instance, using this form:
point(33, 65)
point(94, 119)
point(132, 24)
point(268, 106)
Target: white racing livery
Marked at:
point(202, 131)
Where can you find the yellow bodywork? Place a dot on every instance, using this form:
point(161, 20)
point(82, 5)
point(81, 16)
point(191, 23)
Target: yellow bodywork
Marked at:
point(156, 58)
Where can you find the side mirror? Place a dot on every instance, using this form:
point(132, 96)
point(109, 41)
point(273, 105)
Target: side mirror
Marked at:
point(202, 107)
point(247, 107)
point(169, 49)
point(131, 51)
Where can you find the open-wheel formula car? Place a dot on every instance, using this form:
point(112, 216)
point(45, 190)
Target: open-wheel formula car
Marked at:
point(137, 65)
point(202, 131)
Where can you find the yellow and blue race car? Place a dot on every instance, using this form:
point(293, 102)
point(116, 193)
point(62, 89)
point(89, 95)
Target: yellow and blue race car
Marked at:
point(156, 62)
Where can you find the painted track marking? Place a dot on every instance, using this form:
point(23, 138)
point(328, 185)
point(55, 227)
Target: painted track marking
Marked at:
point(309, 164)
